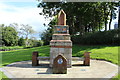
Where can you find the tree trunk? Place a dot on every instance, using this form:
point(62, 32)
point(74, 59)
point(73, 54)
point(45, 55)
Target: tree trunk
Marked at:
point(119, 17)
point(85, 28)
point(105, 17)
point(105, 25)
point(99, 25)
point(110, 20)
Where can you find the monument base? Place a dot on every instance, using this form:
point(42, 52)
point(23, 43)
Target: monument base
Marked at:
point(66, 52)
point(68, 66)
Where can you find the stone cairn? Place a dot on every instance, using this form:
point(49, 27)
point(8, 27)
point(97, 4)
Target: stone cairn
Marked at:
point(61, 43)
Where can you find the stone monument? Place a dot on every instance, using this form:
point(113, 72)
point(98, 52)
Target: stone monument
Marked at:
point(61, 42)
point(60, 65)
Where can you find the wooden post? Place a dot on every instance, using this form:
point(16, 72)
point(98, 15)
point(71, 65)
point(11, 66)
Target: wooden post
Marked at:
point(87, 58)
point(34, 59)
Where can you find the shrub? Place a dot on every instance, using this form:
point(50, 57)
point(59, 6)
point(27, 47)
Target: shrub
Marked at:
point(21, 42)
point(38, 43)
point(111, 37)
point(8, 48)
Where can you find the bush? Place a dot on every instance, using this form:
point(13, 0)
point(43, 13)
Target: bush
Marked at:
point(9, 36)
point(37, 43)
point(8, 48)
point(21, 42)
point(111, 37)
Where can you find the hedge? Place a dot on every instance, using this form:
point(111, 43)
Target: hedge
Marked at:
point(8, 48)
point(111, 37)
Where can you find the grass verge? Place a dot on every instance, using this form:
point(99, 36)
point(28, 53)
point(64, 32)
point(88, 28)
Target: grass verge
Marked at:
point(2, 75)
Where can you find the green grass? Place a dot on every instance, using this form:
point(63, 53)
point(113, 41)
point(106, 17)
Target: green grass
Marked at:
point(116, 77)
point(109, 53)
point(2, 75)
point(22, 54)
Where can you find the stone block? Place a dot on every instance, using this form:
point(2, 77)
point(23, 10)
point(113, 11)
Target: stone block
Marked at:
point(66, 37)
point(63, 43)
point(87, 58)
point(61, 37)
point(34, 59)
point(60, 65)
point(61, 50)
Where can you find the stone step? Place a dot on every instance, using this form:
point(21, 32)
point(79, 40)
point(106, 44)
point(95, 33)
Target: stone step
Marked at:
point(61, 43)
point(61, 37)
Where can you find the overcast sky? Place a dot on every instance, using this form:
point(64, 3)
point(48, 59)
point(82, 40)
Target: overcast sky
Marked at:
point(25, 12)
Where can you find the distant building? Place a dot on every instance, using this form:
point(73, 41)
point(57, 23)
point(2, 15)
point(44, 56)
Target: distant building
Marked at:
point(115, 26)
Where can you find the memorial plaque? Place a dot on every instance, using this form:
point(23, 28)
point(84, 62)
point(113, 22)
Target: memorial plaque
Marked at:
point(60, 65)
point(61, 29)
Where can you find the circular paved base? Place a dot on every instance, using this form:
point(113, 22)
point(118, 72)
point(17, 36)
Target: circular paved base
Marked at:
point(97, 69)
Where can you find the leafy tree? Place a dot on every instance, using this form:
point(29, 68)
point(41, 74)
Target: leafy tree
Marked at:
point(9, 36)
point(112, 13)
point(47, 34)
point(26, 30)
point(37, 43)
point(21, 41)
point(82, 17)
point(119, 15)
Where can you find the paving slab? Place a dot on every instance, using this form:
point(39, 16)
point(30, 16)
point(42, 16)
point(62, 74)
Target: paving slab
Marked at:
point(97, 69)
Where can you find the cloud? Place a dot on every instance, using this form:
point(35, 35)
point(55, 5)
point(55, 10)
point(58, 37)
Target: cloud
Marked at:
point(17, 0)
point(22, 15)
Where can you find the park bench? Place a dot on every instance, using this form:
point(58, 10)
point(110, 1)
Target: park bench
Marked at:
point(85, 59)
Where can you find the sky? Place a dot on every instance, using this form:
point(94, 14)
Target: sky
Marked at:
point(25, 12)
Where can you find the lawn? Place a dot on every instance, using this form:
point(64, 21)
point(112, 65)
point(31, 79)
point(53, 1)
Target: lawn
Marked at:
point(109, 53)
point(22, 54)
point(2, 75)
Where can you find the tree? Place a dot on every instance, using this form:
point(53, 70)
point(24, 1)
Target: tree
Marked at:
point(9, 36)
point(47, 34)
point(82, 17)
point(21, 41)
point(26, 30)
point(119, 15)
